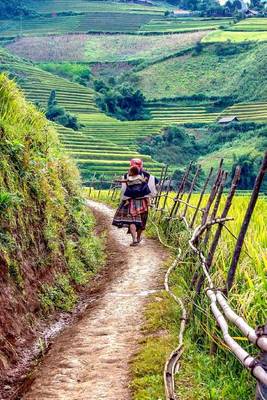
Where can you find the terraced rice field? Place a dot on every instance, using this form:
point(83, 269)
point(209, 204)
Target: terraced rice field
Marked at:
point(102, 47)
point(101, 157)
point(186, 24)
point(235, 36)
point(179, 114)
point(104, 145)
point(250, 25)
point(90, 22)
point(56, 6)
point(38, 84)
point(249, 111)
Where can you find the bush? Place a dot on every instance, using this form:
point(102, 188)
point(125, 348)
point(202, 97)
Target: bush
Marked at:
point(123, 101)
point(175, 146)
point(59, 115)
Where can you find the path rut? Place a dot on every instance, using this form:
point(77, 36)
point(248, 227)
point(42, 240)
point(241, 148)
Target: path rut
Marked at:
point(90, 360)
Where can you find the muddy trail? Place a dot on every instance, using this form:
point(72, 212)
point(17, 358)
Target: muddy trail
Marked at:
point(90, 360)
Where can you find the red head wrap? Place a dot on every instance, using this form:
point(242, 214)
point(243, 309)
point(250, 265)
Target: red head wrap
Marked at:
point(136, 162)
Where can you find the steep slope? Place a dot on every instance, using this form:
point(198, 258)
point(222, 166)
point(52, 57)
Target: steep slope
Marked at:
point(217, 70)
point(47, 246)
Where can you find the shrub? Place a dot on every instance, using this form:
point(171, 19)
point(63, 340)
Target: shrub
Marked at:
point(59, 115)
point(123, 102)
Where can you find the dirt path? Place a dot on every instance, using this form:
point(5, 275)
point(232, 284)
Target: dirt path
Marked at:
point(90, 359)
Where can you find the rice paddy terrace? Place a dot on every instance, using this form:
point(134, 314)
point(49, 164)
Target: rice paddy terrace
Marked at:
point(250, 29)
point(82, 16)
point(248, 111)
point(104, 144)
point(175, 113)
point(184, 24)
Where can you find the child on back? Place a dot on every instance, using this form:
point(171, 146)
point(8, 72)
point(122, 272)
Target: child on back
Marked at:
point(136, 184)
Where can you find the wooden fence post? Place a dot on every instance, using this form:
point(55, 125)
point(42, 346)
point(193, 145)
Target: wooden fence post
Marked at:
point(164, 174)
point(216, 205)
point(213, 193)
point(111, 185)
point(247, 218)
point(218, 232)
point(166, 194)
point(160, 180)
point(191, 190)
point(201, 197)
point(180, 191)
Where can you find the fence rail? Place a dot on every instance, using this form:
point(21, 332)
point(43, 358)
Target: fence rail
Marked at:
point(211, 211)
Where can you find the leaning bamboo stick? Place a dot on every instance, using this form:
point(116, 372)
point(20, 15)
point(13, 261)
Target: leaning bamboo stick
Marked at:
point(201, 198)
point(244, 228)
point(260, 341)
point(218, 232)
point(191, 190)
point(180, 190)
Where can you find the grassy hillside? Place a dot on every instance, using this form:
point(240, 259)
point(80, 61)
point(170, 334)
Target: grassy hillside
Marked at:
point(250, 29)
point(250, 25)
point(94, 21)
point(47, 246)
point(214, 71)
point(57, 6)
point(236, 36)
point(102, 48)
point(79, 100)
point(187, 24)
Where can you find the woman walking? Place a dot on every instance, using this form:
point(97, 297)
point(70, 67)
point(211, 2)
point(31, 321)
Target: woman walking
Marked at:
point(133, 209)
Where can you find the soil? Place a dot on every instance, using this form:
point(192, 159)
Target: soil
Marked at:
point(90, 359)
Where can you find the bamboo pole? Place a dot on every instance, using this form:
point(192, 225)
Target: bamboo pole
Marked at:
point(244, 227)
point(201, 197)
point(161, 186)
point(216, 205)
point(180, 191)
point(213, 193)
point(160, 180)
point(166, 195)
point(261, 390)
point(218, 232)
point(191, 190)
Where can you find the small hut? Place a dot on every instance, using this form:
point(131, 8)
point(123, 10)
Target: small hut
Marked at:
point(251, 13)
point(228, 120)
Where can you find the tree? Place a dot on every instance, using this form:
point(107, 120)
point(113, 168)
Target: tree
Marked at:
point(52, 101)
point(123, 102)
point(59, 114)
point(249, 166)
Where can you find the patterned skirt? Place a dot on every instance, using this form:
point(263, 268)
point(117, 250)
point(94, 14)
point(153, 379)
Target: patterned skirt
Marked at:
point(132, 211)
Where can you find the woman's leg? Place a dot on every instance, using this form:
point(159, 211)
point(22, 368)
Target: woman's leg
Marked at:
point(133, 232)
point(139, 234)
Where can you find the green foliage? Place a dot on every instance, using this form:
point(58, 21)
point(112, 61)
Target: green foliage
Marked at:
point(123, 102)
point(7, 200)
point(13, 8)
point(60, 295)
point(249, 167)
point(232, 70)
point(59, 115)
point(174, 147)
point(78, 73)
point(15, 273)
point(45, 228)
